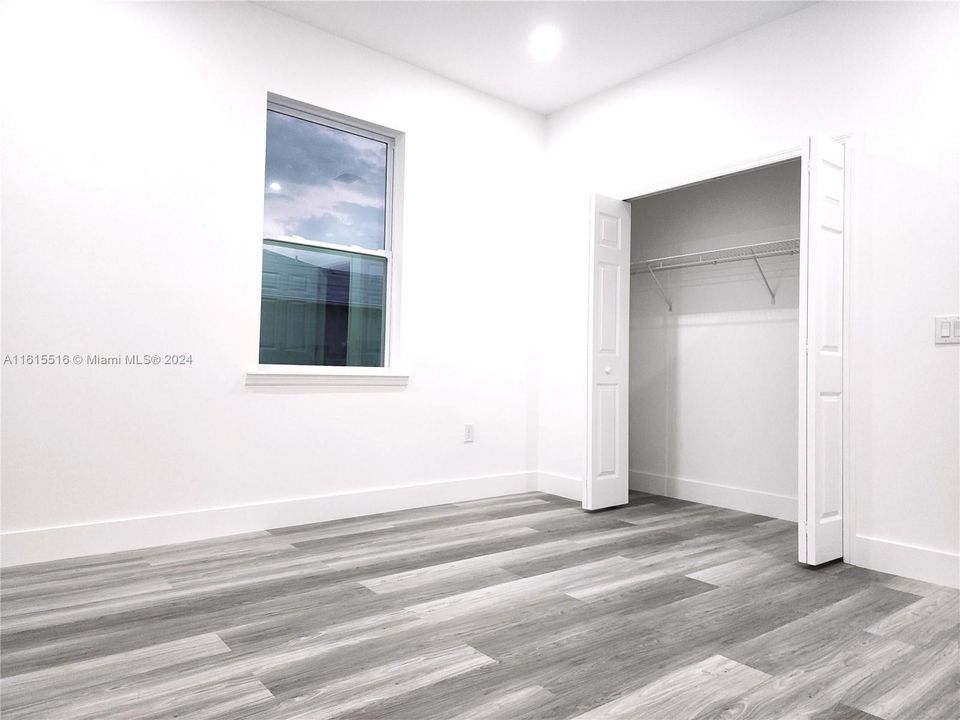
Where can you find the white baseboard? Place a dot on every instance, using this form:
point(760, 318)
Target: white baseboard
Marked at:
point(772, 505)
point(56, 543)
point(912, 561)
point(562, 485)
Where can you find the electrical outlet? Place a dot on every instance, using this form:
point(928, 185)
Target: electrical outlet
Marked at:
point(946, 329)
point(468, 433)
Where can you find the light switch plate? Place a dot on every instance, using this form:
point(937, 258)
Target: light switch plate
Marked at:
point(946, 329)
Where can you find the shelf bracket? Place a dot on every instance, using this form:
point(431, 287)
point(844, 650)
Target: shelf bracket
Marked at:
point(660, 288)
point(773, 296)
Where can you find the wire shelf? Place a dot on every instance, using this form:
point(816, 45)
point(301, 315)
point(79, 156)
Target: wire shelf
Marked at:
point(722, 255)
point(754, 252)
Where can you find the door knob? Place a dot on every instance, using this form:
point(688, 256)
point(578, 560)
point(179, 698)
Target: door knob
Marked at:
point(606, 370)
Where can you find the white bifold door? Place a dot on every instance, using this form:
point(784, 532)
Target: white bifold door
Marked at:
point(820, 489)
point(609, 339)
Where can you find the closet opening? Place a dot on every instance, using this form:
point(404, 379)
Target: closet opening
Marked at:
point(714, 351)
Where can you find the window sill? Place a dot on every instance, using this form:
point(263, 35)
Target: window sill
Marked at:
point(304, 376)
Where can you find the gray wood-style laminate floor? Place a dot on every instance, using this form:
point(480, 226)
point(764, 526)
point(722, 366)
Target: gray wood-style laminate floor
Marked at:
point(515, 607)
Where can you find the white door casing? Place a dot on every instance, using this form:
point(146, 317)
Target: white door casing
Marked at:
point(607, 482)
point(820, 477)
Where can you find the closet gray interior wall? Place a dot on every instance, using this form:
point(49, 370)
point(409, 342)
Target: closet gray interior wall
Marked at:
point(713, 384)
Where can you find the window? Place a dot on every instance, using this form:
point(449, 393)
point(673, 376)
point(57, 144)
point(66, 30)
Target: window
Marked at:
point(327, 240)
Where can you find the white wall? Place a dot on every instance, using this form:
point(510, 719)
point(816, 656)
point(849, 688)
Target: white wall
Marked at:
point(713, 383)
point(888, 73)
point(133, 148)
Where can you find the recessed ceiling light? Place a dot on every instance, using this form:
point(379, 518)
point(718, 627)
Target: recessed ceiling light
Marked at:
point(275, 186)
point(544, 43)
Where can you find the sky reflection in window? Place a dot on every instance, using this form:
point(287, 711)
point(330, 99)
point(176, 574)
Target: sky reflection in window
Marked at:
point(323, 184)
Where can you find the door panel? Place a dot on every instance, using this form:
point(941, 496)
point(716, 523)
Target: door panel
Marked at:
point(607, 418)
point(609, 290)
point(607, 411)
point(821, 476)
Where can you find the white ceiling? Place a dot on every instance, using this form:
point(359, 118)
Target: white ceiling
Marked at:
point(483, 44)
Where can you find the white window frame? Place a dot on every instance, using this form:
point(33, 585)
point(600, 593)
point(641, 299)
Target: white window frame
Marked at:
point(390, 373)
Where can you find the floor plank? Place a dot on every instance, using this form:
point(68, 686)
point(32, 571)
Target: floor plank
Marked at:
point(682, 693)
point(925, 683)
point(922, 621)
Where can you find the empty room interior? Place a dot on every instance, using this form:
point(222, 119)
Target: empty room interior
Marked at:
point(480, 360)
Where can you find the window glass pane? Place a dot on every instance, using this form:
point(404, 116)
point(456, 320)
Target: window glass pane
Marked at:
point(323, 184)
point(321, 307)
